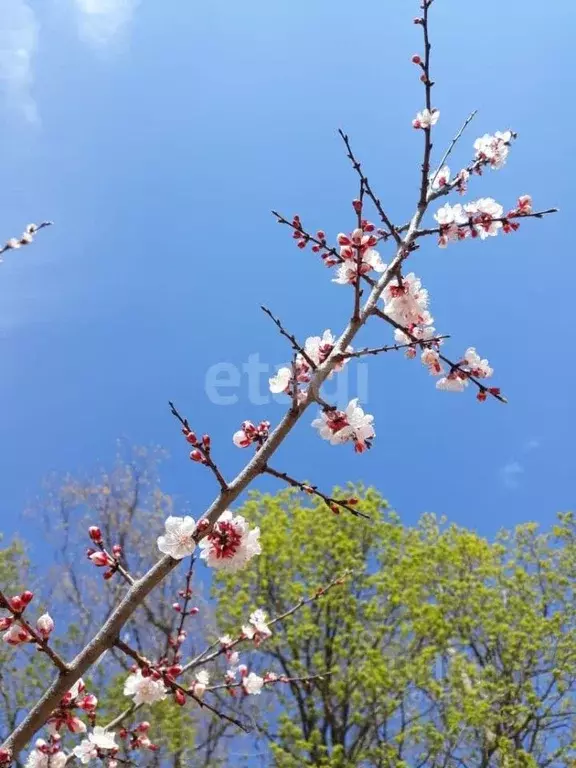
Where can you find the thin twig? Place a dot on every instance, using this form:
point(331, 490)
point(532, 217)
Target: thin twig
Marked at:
point(453, 143)
point(368, 189)
point(428, 99)
point(393, 347)
point(291, 338)
point(357, 284)
point(206, 452)
point(313, 491)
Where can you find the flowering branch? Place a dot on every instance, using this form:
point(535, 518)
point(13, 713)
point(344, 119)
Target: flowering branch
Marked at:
point(483, 389)
point(25, 238)
point(180, 693)
point(505, 220)
point(334, 505)
point(394, 347)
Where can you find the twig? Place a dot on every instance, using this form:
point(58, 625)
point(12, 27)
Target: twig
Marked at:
point(368, 189)
point(205, 449)
point(184, 613)
point(393, 347)
point(272, 681)
point(453, 143)
point(291, 338)
point(308, 237)
point(313, 490)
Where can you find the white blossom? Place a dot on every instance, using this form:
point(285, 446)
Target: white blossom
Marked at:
point(252, 684)
point(493, 149)
point(426, 118)
point(178, 540)
point(145, 690)
point(280, 382)
point(440, 178)
point(38, 759)
point(452, 384)
point(202, 681)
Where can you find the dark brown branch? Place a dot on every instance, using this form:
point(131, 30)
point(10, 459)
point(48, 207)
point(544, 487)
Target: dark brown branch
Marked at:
point(392, 347)
point(312, 490)
point(428, 99)
point(368, 189)
point(291, 338)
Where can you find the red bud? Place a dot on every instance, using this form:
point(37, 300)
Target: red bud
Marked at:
point(196, 456)
point(179, 698)
point(16, 603)
point(95, 534)
point(416, 59)
point(27, 597)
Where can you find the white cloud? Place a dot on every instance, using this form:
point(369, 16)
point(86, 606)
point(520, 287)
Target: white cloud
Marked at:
point(18, 43)
point(510, 474)
point(103, 21)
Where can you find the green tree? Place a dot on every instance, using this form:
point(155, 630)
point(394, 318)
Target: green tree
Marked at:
point(445, 650)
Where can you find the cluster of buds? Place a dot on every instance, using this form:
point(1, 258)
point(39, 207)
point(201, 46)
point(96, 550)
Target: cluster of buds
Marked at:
point(357, 254)
point(64, 716)
point(16, 629)
point(251, 433)
point(138, 737)
point(100, 557)
point(200, 448)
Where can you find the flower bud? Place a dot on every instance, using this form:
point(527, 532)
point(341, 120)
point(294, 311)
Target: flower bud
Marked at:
point(206, 441)
point(416, 59)
point(88, 703)
point(95, 534)
point(177, 607)
point(45, 625)
point(116, 550)
point(143, 727)
point(357, 205)
point(27, 597)
point(179, 698)
point(193, 611)
point(195, 455)
point(191, 438)
point(16, 603)
point(5, 623)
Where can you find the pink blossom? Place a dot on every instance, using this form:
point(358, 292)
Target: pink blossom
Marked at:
point(231, 544)
point(351, 425)
point(16, 635)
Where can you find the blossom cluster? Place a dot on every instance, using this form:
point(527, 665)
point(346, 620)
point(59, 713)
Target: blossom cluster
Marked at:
point(357, 255)
point(228, 546)
point(16, 629)
point(251, 433)
point(350, 425)
point(317, 349)
point(482, 218)
point(25, 238)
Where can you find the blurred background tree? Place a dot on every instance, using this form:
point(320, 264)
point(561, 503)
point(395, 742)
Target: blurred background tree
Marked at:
point(443, 649)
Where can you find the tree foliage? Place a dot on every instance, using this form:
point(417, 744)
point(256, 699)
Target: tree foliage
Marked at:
point(444, 649)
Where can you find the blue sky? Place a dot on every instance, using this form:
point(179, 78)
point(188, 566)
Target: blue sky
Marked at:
point(158, 136)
